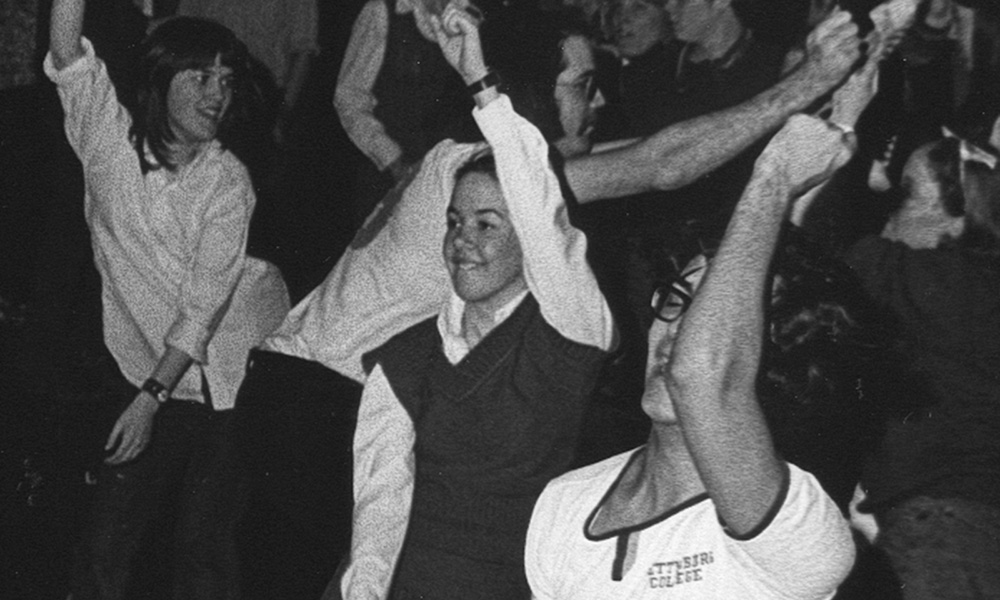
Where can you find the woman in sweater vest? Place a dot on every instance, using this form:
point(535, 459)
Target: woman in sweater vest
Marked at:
point(465, 417)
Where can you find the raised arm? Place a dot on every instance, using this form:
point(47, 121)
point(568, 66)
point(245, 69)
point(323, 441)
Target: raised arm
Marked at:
point(65, 31)
point(683, 152)
point(715, 359)
point(555, 264)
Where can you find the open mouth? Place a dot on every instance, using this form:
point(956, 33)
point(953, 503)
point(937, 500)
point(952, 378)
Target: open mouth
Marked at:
point(466, 265)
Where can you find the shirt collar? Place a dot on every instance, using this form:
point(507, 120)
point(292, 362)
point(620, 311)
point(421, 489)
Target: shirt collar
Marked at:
point(450, 324)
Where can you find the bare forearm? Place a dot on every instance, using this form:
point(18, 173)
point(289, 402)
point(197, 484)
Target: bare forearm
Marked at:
point(683, 152)
point(714, 367)
point(65, 31)
point(722, 331)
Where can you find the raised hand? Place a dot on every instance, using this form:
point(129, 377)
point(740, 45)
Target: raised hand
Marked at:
point(457, 34)
point(832, 49)
point(891, 20)
point(806, 152)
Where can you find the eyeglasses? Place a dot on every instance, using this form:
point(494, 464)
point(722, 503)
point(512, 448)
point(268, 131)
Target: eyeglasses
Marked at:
point(671, 299)
point(587, 83)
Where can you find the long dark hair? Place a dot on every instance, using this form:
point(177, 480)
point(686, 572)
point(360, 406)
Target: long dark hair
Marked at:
point(180, 44)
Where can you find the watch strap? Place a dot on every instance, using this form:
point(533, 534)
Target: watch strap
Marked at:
point(156, 389)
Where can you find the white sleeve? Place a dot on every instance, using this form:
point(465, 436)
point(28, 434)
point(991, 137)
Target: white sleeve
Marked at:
point(536, 566)
point(390, 278)
point(383, 490)
point(809, 521)
point(95, 122)
point(354, 98)
point(555, 252)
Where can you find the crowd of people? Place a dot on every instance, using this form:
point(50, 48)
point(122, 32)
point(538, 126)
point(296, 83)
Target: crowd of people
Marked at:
point(644, 296)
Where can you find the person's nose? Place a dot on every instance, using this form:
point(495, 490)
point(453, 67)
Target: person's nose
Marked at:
point(598, 101)
point(464, 238)
point(214, 89)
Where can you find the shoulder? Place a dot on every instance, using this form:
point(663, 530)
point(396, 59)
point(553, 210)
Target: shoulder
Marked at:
point(559, 349)
point(585, 483)
point(568, 502)
point(403, 348)
point(809, 521)
point(228, 170)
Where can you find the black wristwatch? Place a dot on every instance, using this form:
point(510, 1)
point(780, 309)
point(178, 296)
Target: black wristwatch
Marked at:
point(157, 390)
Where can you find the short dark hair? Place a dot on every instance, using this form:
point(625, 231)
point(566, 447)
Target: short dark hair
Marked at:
point(525, 47)
point(177, 45)
point(484, 163)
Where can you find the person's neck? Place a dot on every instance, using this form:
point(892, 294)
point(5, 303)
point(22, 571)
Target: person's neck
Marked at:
point(726, 34)
point(662, 477)
point(184, 153)
point(477, 322)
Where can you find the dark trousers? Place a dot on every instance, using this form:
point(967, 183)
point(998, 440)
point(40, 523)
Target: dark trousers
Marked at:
point(190, 473)
point(297, 422)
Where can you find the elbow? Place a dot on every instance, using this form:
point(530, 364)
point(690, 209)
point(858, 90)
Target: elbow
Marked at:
point(708, 373)
point(670, 174)
point(688, 376)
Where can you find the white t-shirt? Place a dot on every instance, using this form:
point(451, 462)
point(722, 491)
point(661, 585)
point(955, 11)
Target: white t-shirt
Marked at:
point(802, 551)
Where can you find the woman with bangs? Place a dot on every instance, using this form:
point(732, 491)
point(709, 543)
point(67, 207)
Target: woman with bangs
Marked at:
point(168, 207)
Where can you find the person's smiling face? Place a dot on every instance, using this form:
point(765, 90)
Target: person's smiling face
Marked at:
point(481, 248)
point(197, 101)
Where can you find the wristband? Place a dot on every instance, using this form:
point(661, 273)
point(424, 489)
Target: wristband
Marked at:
point(490, 80)
point(156, 389)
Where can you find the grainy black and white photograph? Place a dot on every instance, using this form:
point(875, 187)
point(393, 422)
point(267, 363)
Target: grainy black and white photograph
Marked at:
point(499, 299)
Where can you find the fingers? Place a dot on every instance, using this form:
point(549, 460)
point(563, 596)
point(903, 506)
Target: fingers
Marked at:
point(457, 21)
point(113, 439)
point(838, 24)
point(132, 433)
point(890, 20)
point(834, 47)
point(131, 446)
point(808, 150)
point(438, 28)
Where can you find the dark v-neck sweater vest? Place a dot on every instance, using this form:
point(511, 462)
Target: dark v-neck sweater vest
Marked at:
point(491, 431)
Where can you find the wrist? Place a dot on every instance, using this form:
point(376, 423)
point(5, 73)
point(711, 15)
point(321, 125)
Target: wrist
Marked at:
point(148, 401)
point(486, 80)
point(156, 390)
